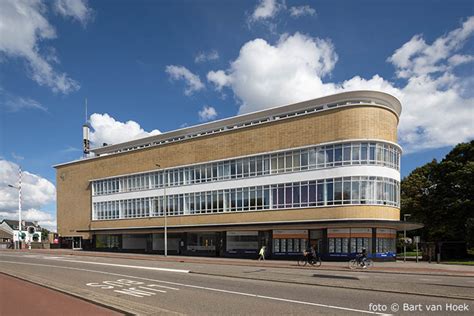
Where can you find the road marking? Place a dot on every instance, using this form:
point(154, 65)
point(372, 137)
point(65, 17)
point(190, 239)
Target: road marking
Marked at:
point(205, 288)
point(129, 266)
point(128, 287)
point(113, 264)
point(147, 288)
point(134, 292)
point(55, 258)
point(430, 280)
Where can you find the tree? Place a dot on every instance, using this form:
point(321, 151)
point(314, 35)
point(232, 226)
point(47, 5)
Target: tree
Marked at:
point(440, 195)
point(44, 234)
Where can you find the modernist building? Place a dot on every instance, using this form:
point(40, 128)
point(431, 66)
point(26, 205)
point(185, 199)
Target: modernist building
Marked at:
point(324, 172)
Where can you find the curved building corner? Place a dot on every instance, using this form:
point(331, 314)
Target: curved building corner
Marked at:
point(324, 172)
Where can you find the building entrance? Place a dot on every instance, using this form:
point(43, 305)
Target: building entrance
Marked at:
point(76, 242)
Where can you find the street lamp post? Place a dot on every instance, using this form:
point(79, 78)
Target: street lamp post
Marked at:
point(165, 182)
point(166, 221)
point(405, 238)
point(19, 205)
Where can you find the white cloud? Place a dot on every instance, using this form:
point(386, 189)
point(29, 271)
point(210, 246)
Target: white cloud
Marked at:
point(75, 9)
point(203, 56)
point(44, 219)
point(264, 75)
point(17, 157)
point(23, 27)
point(105, 129)
point(301, 11)
point(207, 113)
point(70, 149)
point(36, 191)
point(416, 58)
point(457, 60)
point(15, 103)
point(266, 9)
point(193, 82)
point(437, 105)
point(219, 79)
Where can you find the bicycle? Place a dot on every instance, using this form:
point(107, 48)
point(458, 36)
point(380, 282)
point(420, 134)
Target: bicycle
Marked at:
point(365, 263)
point(313, 261)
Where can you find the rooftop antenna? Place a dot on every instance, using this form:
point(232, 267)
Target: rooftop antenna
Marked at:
point(85, 136)
point(86, 113)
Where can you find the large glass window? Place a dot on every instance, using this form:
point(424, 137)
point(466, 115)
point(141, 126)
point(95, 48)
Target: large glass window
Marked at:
point(353, 153)
point(347, 190)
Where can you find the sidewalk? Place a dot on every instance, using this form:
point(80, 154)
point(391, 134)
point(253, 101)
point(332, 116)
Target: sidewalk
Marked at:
point(398, 267)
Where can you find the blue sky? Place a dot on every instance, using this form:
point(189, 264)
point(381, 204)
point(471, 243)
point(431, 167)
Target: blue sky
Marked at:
point(161, 63)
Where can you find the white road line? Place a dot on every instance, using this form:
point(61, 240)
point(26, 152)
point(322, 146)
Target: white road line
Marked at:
point(135, 292)
point(150, 289)
point(114, 265)
point(55, 258)
point(129, 266)
point(431, 280)
point(206, 288)
point(165, 287)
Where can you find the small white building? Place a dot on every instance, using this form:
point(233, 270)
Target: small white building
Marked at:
point(31, 230)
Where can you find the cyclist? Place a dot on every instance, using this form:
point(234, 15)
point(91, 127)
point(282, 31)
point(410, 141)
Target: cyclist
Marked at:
point(310, 254)
point(361, 258)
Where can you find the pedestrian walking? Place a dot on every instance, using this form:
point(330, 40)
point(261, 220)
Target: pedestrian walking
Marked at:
point(261, 254)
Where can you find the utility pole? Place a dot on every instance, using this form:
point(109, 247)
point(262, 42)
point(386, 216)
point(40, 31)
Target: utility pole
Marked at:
point(165, 209)
point(19, 205)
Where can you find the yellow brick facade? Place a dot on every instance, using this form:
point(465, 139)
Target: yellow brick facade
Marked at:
point(361, 122)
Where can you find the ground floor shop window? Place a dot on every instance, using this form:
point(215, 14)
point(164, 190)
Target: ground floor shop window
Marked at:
point(289, 241)
point(385, 245)
point(358, 243)
point(107, 241)
point(349, 245)
point(242, 241)
point(289, 245)
point(201, 242)
point(338, 245)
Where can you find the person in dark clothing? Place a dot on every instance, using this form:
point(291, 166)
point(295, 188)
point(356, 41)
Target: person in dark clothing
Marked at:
point(362, 258)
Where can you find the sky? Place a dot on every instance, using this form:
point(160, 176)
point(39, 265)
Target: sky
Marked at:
point(148, 67)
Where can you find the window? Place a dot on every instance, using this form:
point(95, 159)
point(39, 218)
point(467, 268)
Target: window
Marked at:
point(289, 161)
point(329, 192)
point(347, 190)
point(304, 160)
point(338, 155)
point(329, 156)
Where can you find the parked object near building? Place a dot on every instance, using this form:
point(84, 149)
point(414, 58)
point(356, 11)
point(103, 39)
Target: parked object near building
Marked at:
point(324, 172)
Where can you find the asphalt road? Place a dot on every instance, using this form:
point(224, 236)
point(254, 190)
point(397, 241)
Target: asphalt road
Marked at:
point(141, 287)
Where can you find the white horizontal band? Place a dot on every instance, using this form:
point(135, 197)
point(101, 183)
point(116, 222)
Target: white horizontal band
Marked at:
point(342, 171)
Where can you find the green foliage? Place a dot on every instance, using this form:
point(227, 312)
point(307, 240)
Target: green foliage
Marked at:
point(44, 234)
point(440, 195)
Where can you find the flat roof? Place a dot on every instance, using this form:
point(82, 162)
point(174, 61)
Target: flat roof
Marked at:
point(344, 99)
